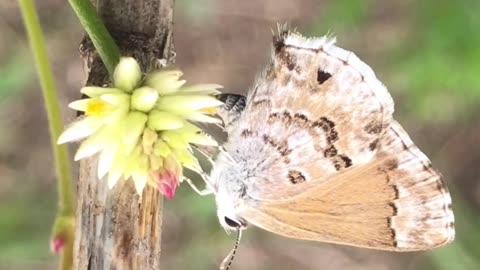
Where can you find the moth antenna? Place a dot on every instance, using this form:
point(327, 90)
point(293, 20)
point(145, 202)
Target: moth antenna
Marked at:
point(227, 262)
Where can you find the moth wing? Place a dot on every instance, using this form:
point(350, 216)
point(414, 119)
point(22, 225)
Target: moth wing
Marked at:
point(315, 103)
point(231, 111)
point(396, 202)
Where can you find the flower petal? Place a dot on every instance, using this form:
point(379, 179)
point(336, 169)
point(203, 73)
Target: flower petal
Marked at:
point(165, 82)
point(187, 103)
point(80, 105)
point(117, 99)
point(192, 134)
point(133, 161)
point(161, 148)
point(187, 159)
point(113, 177)
point(94, 144)
point(115, 117)
point(172, 164)
point(118, 166)
point(127, 74)
point(140, 179)
point(148, 139)
point(173, 139)
point(80, 129)
point(134, 125)
point(199, 138)
point(201, 89)
point(156, 162)
point(105, 161)
point(158, 120)
point(200, 117)
point(96, 91)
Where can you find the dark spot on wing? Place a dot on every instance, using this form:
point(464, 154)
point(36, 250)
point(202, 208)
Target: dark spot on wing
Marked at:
point(286, 116)
point(282, 147)
point(268, 140)
point(347, 162)
point(246, 133)
point(391, 164)
point(302, 117)
point(291, 61)
point(329, 127)
point(373, 145)
point(341, 162)
point(332, 136)
point(394, 208)
point(295, 177)
point(322, 76)
point(324, 123)
point(331, 151)
point(373, 127)
point(397, 192)
point(427, 166)
point(393, 234)
point(283, 116)
point(337, 165)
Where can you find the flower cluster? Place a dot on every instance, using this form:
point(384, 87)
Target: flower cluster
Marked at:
point(142, 127)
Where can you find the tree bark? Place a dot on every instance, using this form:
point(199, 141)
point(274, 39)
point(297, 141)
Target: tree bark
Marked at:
point(118, 229)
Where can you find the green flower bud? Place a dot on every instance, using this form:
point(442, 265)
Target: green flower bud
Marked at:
point(144, 98)
point(127, 74)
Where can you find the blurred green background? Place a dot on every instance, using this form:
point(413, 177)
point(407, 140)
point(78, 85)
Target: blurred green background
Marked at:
point(426, 52)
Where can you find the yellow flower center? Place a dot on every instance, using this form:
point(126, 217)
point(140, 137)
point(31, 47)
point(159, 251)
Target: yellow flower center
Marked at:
point(210, 111)
point(96, 108)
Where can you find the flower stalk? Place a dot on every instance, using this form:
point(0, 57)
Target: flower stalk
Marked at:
point(98, 33)
point(66, 203)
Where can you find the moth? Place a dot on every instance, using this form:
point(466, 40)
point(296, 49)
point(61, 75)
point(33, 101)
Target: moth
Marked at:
point(314, 153)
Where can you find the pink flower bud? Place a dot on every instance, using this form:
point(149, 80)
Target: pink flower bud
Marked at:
point(57, 244)
point(167, 182)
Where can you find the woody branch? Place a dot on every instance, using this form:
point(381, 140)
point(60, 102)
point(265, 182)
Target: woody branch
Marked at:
point(116, 228)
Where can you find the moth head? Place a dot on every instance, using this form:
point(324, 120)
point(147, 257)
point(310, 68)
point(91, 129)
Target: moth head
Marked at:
point(229, 188)
point(228, 205)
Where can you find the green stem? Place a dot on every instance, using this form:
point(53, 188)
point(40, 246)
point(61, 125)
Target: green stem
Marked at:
point(62, 164)
point(98, 33)
point(60, 152)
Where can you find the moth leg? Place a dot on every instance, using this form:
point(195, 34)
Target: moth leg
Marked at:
point(204, 192)
point(200, 153)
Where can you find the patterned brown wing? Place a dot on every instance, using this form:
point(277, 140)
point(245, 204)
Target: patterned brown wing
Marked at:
point(315, 104)
point(395, 202)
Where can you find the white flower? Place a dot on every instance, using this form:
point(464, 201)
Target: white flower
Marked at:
point(141, 128)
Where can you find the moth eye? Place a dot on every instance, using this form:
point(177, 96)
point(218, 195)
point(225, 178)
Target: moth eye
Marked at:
point(232, 223)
